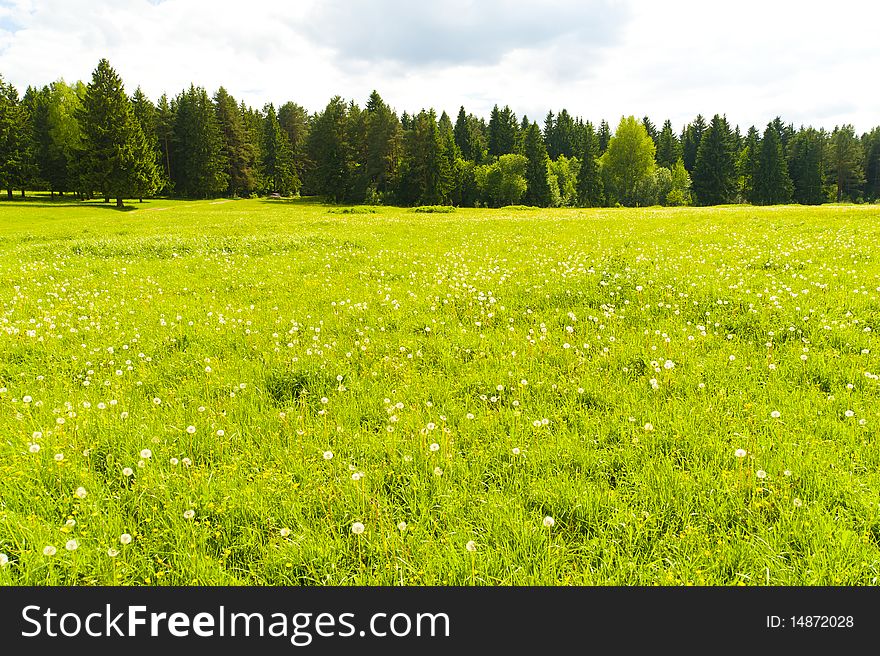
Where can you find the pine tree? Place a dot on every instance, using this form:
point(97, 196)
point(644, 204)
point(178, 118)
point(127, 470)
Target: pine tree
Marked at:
point(165, 136)
point(294, 121)
point(425, 177)
point(871, 147)
point(591, 191)
point(12, 123)
point(147, 118)
point(116, 155)
point(537, 186)
point(668, 146)
point(651, 129)
point(383, 147)
point(714, 175)
point(772, 184)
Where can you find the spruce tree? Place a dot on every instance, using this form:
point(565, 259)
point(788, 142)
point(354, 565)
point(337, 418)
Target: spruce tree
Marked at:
point(871, 146)
point(277, 161)
point(690, 142)
point(383, 146)
point(11, 142)
point(807, 166)
point(668, 146)
point(117, 158)
point(714, 175)
point(199, 160)
point(772, 184)
point(845, 163)
point(590, 190)
point(239, 155)
point(747, 165)
point(604, 136)
point(537, 185)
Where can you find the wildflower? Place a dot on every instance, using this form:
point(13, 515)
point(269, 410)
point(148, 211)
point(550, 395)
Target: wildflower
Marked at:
point(157, 400)
point(669, 364)
point(356, 476)
point(49, 550)
point(325, 400)
point(548, 521)
point(71, 545)
point(81, 492)
point(797, 502)
point(112, 552)
point(469, 416)
point(34, 448)
point(434, 447)
point(776, 414)
point(125, 538)
point(471, 546)
point(4, 560)
point(59, 457)
point(401, 527)
point(849, 413)
point(431, 425)
point(787, 472)
point(438, 471)
point(174, 461)
point(128, 471)
point(284, 532)
point(328, 455)
point(649, 427)
point(146, 453)
point(357, 528)
point(515, 451)
point(761, 474)
point(187, 462)
point(189, 514)
point(190, 429)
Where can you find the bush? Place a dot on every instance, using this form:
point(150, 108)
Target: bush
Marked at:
point(434, 209)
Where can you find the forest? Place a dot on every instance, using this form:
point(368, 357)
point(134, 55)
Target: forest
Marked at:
point(95, 141)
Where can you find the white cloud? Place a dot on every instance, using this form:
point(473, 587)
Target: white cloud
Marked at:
point(807, 62)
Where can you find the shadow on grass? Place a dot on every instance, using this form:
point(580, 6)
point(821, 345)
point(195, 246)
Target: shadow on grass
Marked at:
point(41, 202)
point(301, 200)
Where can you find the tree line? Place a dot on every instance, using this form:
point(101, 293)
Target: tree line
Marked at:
point(93, 140)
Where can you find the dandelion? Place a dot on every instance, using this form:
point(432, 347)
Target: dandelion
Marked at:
point(471, 546)
point(128, 471)
point(284, 532)
point(469, 416)
point(438, 471)
point(515, 451)
point(434, 447)
point(157, 400)
point(4, 560)
point(669, 364)
point(26, 399)
point(71, 545)
point(325, 400)
point(401, 527)
point(190, 429)
point(776, 414)
point(125, 538)
point(174, 462)
point(548, 522)
point(356, 476)
point(849, 413)
point(431, 425)
point(146, 453)
point(49, 550)
point(81, 492)
point(328, 455)
point(649, 427)
point(797, 502)
point(761, 474)
point(732, 358)
point(112, 552)
point(34, 448)
point(187, 462)
point(37, 435)
point(357, 528)
point(787, 472)
point(189, 514)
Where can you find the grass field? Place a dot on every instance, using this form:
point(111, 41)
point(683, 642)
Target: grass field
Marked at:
point(226, 392)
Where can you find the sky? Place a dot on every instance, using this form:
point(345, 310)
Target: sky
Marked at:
point(810, 63)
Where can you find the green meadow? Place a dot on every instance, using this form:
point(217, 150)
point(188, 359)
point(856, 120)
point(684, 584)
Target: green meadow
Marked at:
point(275, 392)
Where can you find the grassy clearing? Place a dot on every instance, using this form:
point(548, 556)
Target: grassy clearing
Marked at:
point(183, 373)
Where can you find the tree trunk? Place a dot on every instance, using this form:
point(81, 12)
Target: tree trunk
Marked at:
point(140, 200)
point(119, 203)
point(52, 194)
point(22, 193)
point(106, 199)
point(9, 194)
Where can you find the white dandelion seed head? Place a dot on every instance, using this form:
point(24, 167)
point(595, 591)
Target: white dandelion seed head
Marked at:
point(49, 550)
point(127, 471)
point(328, 455)
point(34, 448)
point(548, 521)
point(284, 532)
point(112, 552)
point(434, 447)
point(649, 427)
point(146, 454)
point(401, 526)
point(740, 453)
point(190, 429)
point(761, 474)
point(357, 528)
point(125, 538)
point(81, 492)
point(471, 546)
point(189, 514)
point(71, 545)
point(797, 502)
point(776, 414)
point(515, 451)
point(438, 471)
point(174, 461)
point(4, 560)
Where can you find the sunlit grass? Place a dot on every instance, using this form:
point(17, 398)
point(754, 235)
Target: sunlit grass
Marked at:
point(227, 392)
